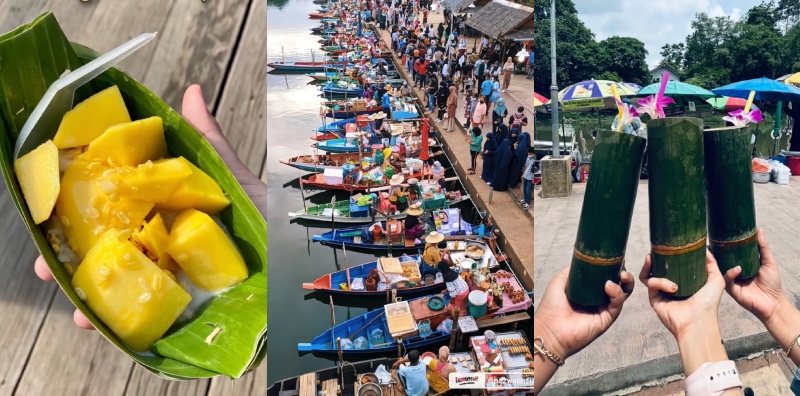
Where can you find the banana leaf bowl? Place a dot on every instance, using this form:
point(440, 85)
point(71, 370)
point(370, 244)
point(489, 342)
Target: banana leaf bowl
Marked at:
point(35, 55)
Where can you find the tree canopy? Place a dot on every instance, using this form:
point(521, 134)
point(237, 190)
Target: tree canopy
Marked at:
point(765, 42)
point(579, 56)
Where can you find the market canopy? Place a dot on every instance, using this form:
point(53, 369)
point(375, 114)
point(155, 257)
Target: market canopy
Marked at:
point(457, 6)
point(524, 33)
point(594, 94)
point(765, 88)
point(793, 79)
point(500, 17)
point(677, 88)
point(728, 104)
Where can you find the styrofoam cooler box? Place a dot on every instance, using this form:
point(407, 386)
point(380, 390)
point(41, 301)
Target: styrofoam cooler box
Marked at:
point(333, 176)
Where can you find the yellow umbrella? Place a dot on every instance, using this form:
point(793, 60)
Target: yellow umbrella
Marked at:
point(793, 79)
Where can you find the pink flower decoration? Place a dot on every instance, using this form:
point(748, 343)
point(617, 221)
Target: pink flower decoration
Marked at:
point(655, 107)
point(628, 114)
point(739, 118)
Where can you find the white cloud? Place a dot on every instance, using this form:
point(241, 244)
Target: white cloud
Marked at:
point(654, 22)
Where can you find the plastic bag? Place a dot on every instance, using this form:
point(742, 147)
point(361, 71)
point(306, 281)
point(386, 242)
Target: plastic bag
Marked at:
point(383, 376)
point(376, 335)
point(446, 326)
point(393, 282)
point(780, 172)
point(361, 343)
point(760, 165)
point(357, 284)
point(439, 278)
point(347, 344)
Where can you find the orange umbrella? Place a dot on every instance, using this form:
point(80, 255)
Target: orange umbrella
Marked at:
point(539, 100)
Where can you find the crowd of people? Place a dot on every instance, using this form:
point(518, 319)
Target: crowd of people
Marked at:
point(438, 60)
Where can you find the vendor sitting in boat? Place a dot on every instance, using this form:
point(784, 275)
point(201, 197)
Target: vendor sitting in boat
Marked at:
point(413, 227)
point(397, 193)
point(487, 232)
point(457, 287)
point(435, 251)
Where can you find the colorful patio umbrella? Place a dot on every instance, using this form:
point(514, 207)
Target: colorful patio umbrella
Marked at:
point(539, 100)
point(728, 104)
point(677, 88)
point(765, 88)
point(594, 94)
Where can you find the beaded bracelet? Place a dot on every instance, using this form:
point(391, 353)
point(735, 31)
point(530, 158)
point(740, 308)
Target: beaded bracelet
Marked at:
point(794, 341)
point(539, 349)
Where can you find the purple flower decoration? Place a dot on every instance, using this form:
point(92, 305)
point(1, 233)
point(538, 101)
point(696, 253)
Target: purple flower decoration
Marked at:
point(739, 118)
point(654, 107)
point(627, 116)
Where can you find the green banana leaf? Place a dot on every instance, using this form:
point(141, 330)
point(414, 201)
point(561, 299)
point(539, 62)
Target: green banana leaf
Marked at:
point(32, 57)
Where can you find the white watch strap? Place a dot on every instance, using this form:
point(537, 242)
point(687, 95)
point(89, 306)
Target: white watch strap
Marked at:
point(711, 379)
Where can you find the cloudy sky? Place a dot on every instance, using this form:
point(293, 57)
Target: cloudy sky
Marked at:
point(654, 22)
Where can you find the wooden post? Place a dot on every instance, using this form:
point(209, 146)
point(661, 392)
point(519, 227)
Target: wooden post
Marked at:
point(302, 193)
point(399, 347)
point(454, 328)
point(491, 190)
point(333, 212)
point(333, 318)
point(344, 252)
point(394, 295)
point(339, 350)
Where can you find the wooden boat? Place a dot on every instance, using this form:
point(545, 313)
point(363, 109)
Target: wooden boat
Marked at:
point(320, 15)
point(351, 237)
point(350, 113)
point(364, 325)
point(302, 66)
point(321, 137)
point(349, 373)
point(324, 76)
point(335, 126)
point(332, 48)
point(331, 88)
point(331, 283)
point(314, 213)
point(318, 181)
point(342, 146)
point(311, 163)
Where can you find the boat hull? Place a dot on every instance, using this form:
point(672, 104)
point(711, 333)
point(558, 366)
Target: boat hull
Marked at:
point(302, 66)
point(358, 220)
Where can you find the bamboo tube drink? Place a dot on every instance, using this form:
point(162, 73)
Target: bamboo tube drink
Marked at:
point(677, 202)
point(731, 204)
point(606, 217)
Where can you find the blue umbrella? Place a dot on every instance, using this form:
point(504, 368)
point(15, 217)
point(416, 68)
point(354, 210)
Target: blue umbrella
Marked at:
point(766, 89)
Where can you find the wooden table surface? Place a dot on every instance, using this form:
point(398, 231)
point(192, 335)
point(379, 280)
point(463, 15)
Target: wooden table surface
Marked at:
point(218, 44)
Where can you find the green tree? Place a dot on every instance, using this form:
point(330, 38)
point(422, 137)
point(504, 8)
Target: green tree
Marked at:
point(756, 52)
point(673, 54)
point(626, 57)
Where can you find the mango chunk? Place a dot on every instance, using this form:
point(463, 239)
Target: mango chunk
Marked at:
point(131, 144)
point(199, 191)
point(153, 240)
point(39, 178)
point(205, 252)
point(90, 118)
point(151, 181)
point(86, 211)
point(128, 292)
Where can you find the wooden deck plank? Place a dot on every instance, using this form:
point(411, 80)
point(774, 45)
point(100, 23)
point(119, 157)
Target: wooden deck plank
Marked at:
point(254, 383)
point(68, 360)
point(331, 386)
point(307, 384)
point(501, 320)
point(242, 109)
point(24, 299)
point(195, 46)
point(143, 382)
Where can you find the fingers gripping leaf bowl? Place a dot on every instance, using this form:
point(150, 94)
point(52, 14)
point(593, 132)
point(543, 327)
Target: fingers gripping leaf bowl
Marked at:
point(141, 223)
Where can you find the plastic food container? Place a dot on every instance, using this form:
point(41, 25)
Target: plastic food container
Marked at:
point(761, 177)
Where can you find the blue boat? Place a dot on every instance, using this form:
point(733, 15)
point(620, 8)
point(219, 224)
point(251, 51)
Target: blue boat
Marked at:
point(341, 146)
point(347, 236)
point(335, 126)
point(332, 88)
point(339, 114)
point(365, 325)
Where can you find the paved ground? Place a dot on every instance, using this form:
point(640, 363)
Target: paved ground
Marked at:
point(516, 224)
point(41, 351)
point(638, 348)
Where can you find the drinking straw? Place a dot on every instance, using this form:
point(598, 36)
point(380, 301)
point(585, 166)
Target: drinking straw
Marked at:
point(619, 106)
point(661, 90)
point(749, 101)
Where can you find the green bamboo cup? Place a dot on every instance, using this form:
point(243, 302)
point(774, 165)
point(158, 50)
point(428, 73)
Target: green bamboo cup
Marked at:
point(731, 202)
point(605, 221)
point(677, 194)
point(32, 57)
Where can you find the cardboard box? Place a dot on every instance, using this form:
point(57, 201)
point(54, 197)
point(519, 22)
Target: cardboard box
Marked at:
point(390, 265)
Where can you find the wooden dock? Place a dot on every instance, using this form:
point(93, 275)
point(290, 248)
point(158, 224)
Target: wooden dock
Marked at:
point(218, 44)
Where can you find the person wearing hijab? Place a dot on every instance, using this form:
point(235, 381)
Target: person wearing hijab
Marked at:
point(495, 96)
point(501, 133)
point(437, 170)
point(441, 100)
point(489, 147)
point(502, 164)
point(508, 70)
point(457, 287)
point(499, 114)
point(452, 104)
point(440, 30)
point(519, 159)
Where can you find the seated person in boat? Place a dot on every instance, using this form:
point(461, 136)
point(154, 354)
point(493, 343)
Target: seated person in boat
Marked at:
point(437, 171)
point(405, 91)
point(457, 287)
point(441, 368)
point(435, 251)
point(413, 378)
point(413, 227)
point(397, 193)
point(488, 233)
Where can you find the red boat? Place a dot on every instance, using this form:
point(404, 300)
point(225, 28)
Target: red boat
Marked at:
point(320, 15)
point(327, 136)
point(318, 181)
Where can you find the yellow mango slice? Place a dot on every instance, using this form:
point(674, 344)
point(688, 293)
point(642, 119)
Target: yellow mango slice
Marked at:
point(204, 252)
point(128, 292)
point(90, 118)
point(130, 144)
point(199, 191)
point(39, 179)
point(86, 211)
point(151, 181)
point(153, 240)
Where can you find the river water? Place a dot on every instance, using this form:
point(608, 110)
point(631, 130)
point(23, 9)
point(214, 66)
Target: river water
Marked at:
point(292, 113)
